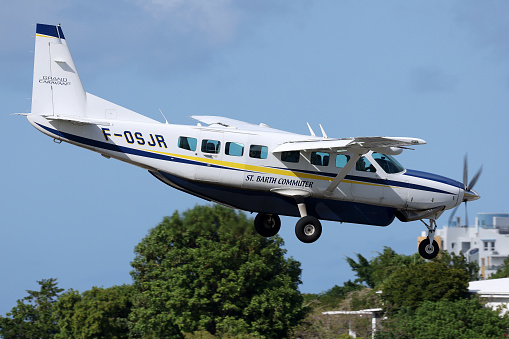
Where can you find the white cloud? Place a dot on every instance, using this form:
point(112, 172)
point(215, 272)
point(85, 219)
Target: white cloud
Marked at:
point(214, 21)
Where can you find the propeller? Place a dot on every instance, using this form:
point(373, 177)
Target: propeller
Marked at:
point(467, 187)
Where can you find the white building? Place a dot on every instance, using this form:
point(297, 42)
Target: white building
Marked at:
point(494, 291)
point(487, 242)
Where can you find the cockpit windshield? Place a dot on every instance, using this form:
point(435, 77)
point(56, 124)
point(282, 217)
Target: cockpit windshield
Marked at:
point(388, 163)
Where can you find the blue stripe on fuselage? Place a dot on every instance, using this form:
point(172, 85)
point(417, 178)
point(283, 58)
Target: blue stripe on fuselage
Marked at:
point(434, 177)
point(361, 179)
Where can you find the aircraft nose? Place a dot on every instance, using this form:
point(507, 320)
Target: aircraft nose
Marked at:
point(471, 195)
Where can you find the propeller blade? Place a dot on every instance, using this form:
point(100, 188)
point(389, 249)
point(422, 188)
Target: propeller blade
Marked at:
point(465, 171)
point(474, 179)
point(452, 215)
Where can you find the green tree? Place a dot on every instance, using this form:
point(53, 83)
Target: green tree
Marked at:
point(32, 317)
point(459, 261)
point(464, 318)
point(207, 270)
point(97, 313)
point(410, 286)
point(503, 270)
point(376, 270)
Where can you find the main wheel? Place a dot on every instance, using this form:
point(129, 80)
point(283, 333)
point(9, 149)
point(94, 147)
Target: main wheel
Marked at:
point(427, 250)
point(267, 225)
point(308, 229)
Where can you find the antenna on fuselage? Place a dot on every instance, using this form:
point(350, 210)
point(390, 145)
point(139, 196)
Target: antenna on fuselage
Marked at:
point(311, 130)
point(163, 116)
point(323, 132)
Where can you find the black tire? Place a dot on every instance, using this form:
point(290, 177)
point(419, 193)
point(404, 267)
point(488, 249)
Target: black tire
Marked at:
point(428, 252)
point(267, 225)
point(308, 229)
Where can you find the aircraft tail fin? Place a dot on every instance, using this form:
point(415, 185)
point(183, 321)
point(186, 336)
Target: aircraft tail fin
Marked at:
point(58, 93)
point(57, 88)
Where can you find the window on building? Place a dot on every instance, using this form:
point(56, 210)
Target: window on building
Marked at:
point(187, 143)
point(320, 158)
point(210, 146)
point(364, 165)
point(234, 148)
point(342, 160)
point(290, 156)
point(489, 245)
point(452, 245)
point(258, 151)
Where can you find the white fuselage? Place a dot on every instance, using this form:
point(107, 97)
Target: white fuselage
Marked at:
point(231, 168)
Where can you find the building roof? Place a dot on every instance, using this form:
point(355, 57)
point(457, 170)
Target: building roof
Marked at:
point(490, 286)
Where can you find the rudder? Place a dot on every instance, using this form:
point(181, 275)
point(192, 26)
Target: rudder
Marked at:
point(57, 88)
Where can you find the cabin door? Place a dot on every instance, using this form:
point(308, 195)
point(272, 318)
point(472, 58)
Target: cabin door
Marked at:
point(210, 150)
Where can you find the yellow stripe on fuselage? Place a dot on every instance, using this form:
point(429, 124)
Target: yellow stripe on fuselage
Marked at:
point(263, 169)
point(245, 167)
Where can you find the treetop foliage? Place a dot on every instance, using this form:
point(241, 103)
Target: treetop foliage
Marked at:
point(377, 270)
point(33, 317)
point(208, 270)
point(462, 319)
point(503, 271)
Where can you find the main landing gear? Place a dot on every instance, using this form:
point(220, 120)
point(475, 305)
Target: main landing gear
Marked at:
point(267, 225)
point(428, 248)
point(308, 229)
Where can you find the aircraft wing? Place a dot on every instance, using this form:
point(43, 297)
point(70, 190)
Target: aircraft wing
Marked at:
point(358, 146)
point(232, 123)
point(360, 143)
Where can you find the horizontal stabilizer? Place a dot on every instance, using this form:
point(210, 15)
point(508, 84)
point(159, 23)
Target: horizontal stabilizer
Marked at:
point(78, 120)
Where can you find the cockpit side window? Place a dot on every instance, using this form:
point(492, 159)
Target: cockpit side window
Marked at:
point(364, 165)
point(388, 163)
point(290, 156)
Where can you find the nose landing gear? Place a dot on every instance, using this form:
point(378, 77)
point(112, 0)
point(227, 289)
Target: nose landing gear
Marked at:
point(428, 248)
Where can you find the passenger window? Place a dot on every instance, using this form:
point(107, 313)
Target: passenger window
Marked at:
point(290, 156)
point(388, 163)
point(234, 148)
point(342, 160)
point(187, 143)
point(258, 151)
point(364, 165)
point(320, 158)
point(210, 146)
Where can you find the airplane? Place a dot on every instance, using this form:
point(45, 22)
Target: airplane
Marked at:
point(246, 166)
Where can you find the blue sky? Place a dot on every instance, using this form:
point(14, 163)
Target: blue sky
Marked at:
point(432, 70)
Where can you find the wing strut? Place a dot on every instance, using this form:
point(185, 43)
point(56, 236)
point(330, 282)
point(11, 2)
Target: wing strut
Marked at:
point(342, 174)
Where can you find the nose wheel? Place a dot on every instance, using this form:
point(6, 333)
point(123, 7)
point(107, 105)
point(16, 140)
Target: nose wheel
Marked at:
point(428, 248)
